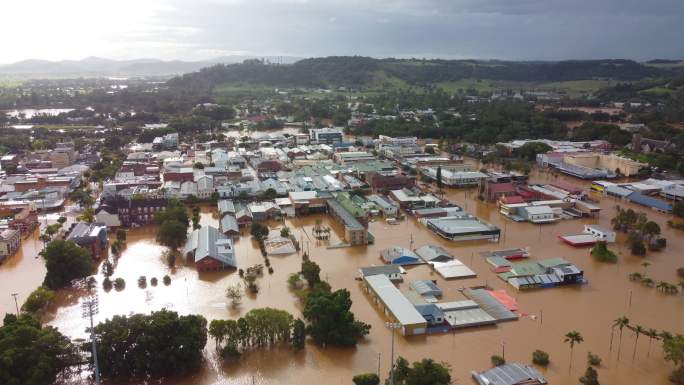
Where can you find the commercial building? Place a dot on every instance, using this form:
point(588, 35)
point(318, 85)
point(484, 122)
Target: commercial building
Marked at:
point(393, 272)
point(354, 232)
point(510, 374)
point(453, 177)
point(443, 262)
point(387, 208)
point(395, 305)
point(462, 228)
point(325, 135)
point(345, 158)
point(210, 250)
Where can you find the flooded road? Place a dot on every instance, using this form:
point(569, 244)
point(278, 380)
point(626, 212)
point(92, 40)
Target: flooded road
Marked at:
point(589, 309)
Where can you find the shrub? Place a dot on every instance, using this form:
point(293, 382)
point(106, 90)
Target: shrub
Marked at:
point(119, 284)
point(107, 284)
point(593, 359)
point(366, 379)
point(167, 280)
point(497, 360)
point(677, 376)
point(153, 281)
point(540, 357)
point(601, 253)
point(230, 351)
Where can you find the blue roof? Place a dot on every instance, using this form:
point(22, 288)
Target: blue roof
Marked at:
point(650, 202)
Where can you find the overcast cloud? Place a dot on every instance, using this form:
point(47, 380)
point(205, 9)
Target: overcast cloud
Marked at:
point(204, 29)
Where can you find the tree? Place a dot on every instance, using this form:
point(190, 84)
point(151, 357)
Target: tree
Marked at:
point(649, 230)
point(366, 379)
point(31, 354)
point(424, 372)
point(234, 293)
point(330, 320)
point(38, 300)
point(572, 338)
point(311, 273)
point(540, 357)
point(172, 233)
point(65, 261)
point(285, 232)
point(121, 235)
point(119, 284)
point(88, 215)
point(259, 231)
point(174, 211)
point(497, 360)
point(620, 323)
point(590, 377)
point(673, 349)
point(593, 359)
point(160, 344)
point(638, 330)
point(652, 334)
point(298, 339)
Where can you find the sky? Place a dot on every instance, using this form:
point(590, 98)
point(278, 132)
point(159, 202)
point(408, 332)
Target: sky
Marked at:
point(204, 29)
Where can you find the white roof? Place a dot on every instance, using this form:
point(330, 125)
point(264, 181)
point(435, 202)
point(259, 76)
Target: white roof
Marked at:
point(402, 309)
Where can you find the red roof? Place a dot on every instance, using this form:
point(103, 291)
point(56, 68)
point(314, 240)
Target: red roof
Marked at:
point(512, 199)
point(497, 188)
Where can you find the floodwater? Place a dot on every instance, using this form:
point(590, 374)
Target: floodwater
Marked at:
point(28, 113)
point(589, 309)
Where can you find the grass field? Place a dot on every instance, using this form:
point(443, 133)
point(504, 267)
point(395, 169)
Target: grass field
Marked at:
point(484, 85)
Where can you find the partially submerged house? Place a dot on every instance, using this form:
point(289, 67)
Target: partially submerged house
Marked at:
point(398, 255)
point(90, 236)
point(393, 272)
point(210, 250)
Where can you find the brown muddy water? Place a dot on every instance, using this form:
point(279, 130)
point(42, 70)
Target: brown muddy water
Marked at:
point(589, 309)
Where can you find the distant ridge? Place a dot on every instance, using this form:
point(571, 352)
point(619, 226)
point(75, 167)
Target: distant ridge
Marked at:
point(100, 67)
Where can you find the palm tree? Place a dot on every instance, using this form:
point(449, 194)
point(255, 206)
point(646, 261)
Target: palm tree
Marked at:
point(663, 286)
point(665, 335)
point(651, 334)
point(638, 330)
point(648, 282)
point(620, 323)
point(573, 337)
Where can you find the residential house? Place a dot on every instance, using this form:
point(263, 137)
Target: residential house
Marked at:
point(90, 236)
point(10, 241)
point(210, 250)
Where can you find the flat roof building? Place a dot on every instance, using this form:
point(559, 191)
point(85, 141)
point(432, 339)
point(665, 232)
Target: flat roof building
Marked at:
point(396, 305)
point(462, 228)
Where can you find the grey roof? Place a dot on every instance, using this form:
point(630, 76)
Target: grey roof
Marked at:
point(461, 225)
point(430, 253)
point(229, 223)
point(208, 242)
point(510, 374)
point(617, 190)
point(490, 304)
point(226, 206)
point(392, 253)
point(376, 270)
point(426, 287)
point(83, 231)
point(395, 302)
point(461, 314)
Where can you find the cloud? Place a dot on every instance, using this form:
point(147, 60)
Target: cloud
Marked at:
point(201, 29)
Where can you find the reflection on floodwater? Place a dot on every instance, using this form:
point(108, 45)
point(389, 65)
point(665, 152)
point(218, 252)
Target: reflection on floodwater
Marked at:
point(590, 309)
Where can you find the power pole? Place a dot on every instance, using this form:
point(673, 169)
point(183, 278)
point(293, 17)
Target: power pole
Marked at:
point(16, 304)
point(90, 307)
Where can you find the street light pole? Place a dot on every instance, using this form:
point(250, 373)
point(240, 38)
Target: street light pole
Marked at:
point(392, 326)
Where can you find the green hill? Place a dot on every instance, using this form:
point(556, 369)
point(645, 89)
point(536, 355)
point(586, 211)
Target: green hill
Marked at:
point(364, 73)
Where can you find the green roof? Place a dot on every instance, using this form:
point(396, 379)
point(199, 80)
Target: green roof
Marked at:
point(553, 262)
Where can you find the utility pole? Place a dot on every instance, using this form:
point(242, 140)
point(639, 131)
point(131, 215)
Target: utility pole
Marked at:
point(16, 304)
point(392, 326)
point(90, 307)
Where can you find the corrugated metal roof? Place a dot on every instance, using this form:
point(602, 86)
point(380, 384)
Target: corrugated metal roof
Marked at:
point(396, 303)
